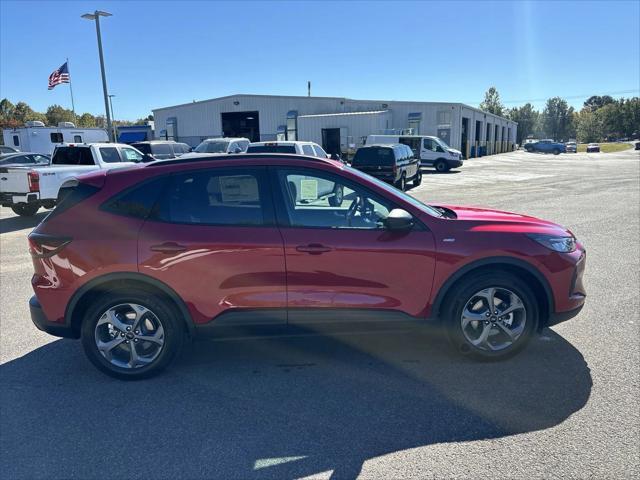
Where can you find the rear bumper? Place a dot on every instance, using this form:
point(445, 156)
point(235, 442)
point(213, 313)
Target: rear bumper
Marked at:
point(8, 199)
point(42, 323)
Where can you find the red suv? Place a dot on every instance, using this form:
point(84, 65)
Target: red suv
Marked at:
point(133, 261)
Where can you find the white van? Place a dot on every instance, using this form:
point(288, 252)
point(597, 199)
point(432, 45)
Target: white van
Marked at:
point(432, 151)
point(37, 138)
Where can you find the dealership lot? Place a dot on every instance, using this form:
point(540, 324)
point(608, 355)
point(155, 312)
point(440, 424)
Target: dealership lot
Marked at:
point(380, 405)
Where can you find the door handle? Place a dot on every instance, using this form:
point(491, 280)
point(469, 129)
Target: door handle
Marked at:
point(313, 248)
point(168, 247)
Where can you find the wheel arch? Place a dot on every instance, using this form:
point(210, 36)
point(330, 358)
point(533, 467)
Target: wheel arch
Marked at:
point(535, 279)
point(111, 281)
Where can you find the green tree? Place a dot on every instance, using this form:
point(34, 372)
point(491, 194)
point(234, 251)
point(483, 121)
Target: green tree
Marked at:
point(6, 109)
point(527, 119)
point(56, 114)
point(557, 118)
point(589, 127)
point(86, 120)
point(595, 102)
point(492, 103)
point(23, 113)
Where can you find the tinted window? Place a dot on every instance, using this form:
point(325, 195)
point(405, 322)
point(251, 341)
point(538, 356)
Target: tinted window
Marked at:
point(109, 154)
point(271, 149)
point(308, 150)
point(77, 138)
point(72, 156)
point(70, 195)
point(16, 140)
point(162, 150)
point(230, 197)
point(143, 147)
point(16, 159)
point(243, 145)
point(56, 138)
point(374, 156)
point(130, 155)
point(138, 201)
point(321, 200)
point(429, 144)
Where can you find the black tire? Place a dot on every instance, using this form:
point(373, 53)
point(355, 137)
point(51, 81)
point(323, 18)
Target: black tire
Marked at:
point(417, 180)
point(25, 209)
point(441, 166)
point(556, 151)
point(402, 183)
point(165, 313)
point(462, 294)
point(338, 196)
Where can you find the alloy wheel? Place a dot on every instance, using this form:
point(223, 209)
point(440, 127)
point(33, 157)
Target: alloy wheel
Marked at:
point(493, 319)
point(129, 336)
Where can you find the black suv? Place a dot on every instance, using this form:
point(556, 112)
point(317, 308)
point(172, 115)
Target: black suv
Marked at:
point(162, 149)
point(393, 163)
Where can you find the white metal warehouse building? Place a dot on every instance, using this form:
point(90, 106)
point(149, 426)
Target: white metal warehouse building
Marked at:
point(338, 124)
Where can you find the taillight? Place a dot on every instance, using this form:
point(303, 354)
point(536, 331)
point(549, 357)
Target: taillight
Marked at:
point(34, 181)
point(42, 245)
point(395, 169)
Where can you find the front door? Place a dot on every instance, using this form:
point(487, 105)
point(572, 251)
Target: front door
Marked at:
point(213, 240)
point(340, 257)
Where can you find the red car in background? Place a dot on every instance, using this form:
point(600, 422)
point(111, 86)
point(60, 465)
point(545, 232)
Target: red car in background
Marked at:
point(134, 261)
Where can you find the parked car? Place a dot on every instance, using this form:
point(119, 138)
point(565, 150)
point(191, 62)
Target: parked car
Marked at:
point(546, 146)
point(24, 159)
point(432, 151)
point(162, 149)
point(6, 149)
point(395, 164)
point(593, 148)
point(296, 147)
point(637, 146)
point(223, 145)
point(189, 247)
point(571, 147)
point(25, 190)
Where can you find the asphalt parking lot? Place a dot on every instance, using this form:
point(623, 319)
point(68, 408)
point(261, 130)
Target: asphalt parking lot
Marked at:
point(375, 405)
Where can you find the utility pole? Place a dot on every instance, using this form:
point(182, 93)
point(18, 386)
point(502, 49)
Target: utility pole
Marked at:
point(96, 17)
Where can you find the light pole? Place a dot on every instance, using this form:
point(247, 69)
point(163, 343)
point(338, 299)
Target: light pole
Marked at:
point(113, 117)
point(96, 16)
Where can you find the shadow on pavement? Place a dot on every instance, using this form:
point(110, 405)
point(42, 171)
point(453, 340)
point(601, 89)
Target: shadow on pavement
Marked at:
point(13, 224)
point(275, 407)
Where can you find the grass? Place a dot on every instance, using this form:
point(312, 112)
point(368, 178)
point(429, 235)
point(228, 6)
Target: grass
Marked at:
point(607, 147)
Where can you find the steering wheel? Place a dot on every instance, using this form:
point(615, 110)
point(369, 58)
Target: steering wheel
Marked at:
point(353, 209)
point(363, 206)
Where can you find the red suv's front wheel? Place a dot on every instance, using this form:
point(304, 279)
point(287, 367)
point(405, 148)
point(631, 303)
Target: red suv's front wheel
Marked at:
point(132, 334)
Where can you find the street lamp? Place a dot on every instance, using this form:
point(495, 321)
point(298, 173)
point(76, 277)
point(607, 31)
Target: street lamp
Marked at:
point(96, 16)
point(113, 117)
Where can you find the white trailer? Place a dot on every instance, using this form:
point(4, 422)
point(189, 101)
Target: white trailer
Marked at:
point(38, 138)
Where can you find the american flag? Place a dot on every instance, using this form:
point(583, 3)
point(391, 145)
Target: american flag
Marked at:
point(61, 75)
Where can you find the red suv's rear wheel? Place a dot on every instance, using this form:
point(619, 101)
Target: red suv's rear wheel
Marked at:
point(491, 315)
point(131, 334)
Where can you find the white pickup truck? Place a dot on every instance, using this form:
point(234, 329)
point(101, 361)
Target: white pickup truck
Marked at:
point(26, 189)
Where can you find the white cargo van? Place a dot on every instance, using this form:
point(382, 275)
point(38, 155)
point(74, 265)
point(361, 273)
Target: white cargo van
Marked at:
point(37, 138)
point(431, 151)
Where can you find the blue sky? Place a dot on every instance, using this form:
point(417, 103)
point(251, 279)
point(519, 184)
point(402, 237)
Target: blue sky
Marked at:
point(168, 52)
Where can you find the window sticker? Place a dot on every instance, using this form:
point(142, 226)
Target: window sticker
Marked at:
point(308, 189)
point(239, 188)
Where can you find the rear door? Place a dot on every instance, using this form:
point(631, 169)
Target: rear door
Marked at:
point(213, 239)
point(377, 161)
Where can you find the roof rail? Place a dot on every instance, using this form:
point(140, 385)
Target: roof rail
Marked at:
point(209, 157)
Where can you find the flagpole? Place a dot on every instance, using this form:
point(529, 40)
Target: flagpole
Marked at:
point(73, 108)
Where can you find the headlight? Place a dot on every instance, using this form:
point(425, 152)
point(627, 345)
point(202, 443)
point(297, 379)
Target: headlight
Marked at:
point(557, 243)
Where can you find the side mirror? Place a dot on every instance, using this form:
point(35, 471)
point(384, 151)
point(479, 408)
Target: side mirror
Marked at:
point(398, 219)
point(439, 149)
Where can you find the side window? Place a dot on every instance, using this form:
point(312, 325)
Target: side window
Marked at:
point(22, 159)
point(130, 155)
point(109, 155)
point(41, 159)
point(429, 144)
point(215, 197)
point(243, 145)
point(308, 150)
point(162, 150)
point(137, 202)
point(316, 199)
point(16, 141)
point(56, 137)
point(77, 138)
point(320, 152)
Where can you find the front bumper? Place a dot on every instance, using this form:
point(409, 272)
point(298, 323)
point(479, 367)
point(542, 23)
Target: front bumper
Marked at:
point(42, 323)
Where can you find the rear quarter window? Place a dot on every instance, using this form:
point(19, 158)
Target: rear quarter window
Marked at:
point(137, 201)
point(374, 156)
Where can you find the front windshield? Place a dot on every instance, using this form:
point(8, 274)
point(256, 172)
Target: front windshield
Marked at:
point(443, 144)
point(212, 147)
point(388, 188)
